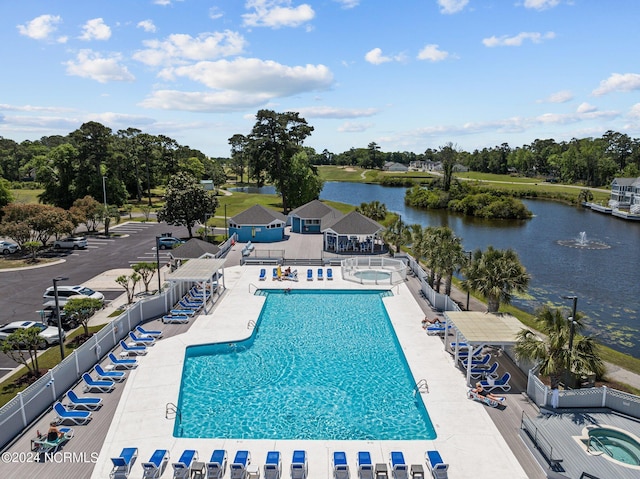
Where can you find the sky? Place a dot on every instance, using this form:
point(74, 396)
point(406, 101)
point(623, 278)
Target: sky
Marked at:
point(407, 74)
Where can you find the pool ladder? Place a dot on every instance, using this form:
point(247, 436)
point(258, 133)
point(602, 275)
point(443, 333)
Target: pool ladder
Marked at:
point(421, 386)
point(172, 411)
point(251, 324)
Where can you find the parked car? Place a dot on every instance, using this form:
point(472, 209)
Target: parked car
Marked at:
point(8, 248)
point(67, 292)
point(48, 316)
point(168, 242)
point(49, 334)
point(71, 242)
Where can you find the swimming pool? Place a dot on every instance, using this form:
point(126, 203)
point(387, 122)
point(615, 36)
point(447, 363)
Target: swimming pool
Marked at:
point(320, 365)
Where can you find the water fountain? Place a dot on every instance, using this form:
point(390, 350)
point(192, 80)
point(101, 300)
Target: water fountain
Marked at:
point(582, 242)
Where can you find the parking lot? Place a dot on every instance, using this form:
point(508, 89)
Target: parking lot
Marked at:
point(22, 289)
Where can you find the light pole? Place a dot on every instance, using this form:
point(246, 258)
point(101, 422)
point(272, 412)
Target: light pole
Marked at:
point(55, 296)
point(158, 262)
point(226, 227)
point(468, 266)
point(572, 326)
point(104, 193)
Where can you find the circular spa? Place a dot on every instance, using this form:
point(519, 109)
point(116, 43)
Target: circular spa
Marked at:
point(374, 270)
point(614, 443)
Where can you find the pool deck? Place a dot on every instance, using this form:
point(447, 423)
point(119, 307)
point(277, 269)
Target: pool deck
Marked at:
point(467, 437)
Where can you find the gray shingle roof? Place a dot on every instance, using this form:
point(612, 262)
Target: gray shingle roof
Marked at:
point(316, 209)
point(354, 223)
point(194, 248)
point(258, 215)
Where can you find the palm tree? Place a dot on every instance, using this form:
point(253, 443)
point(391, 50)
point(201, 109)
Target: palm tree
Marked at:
point(552, 353)
point(451, 256)
point(496, 274)
point(397, 234)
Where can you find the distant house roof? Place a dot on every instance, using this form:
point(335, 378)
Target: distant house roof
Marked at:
point(625, 181)
point(393, 166)
point(257, 215)
point(195, 248)
point(316, 209)
point(354, 223)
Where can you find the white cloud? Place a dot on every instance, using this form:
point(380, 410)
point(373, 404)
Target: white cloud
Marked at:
point(215, 13)
point(348, 3)
point(516, 41)
point(558, 97)
point(147, 25)
point(332, 112)
point(252, 75)
point(40, 28)
point(586, 108)
point(432, 53)
point(351, 127)
point(95, 29)
point(618, 82)
point(452, 6)
point(540, 4)
point(376, 57)
point(31, 108)
point(276, 14)
point(225, 101)
point(634, 112)
point(93, 65)
point(178, 48)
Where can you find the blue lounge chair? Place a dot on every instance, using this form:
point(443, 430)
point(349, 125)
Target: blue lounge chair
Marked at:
point(76, 402)
point(47, 445)
point(183, 312)
point(484, 372)
point(217, 465)
point(340, 466)
point(476, 360)
point(329, 274)
point(64, 414)
point(299, 465)
point(122, 464)
point(274, 275)
point(149, 332)
point(273, 465)
point(137, 350)
point(156, 464)
point(175, 319)
point(182, 468)
point(141, 340)
point(309, 275)
point(502, 383)
point(122, 363)
point(399, 468)
point(91, 384)
point(320, 274)
point(263, 274)
point(365, 467)
point(194, 305)
point(238, 468)
point(436, 465)
point(109, 375)
point(437, 328)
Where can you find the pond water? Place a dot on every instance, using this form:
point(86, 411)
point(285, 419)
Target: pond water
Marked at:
point(605, 280)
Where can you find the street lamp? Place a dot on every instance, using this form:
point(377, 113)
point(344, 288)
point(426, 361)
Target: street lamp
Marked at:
point(158, 262)
point(573, 320)
point(104, 193)
point(55, 296)
point(469, 253)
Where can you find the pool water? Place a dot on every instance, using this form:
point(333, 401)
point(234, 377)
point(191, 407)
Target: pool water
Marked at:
point(321, 365)
point(372, 275)
point(615, 444)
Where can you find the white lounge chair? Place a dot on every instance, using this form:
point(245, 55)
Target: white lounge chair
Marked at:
point(238, 468)
point(340, 466)
point(217, 465)
point(109, 375)
point(64, 414)
point(299, 465)
point(76, 402)
point(273, 465)
point(182, 468)
point(502, 383)
point(122, 363)
point(91, 384)
point(122, 464)
point(436, 465)
point(365, 467)
point(156, 464)
point(399, 468)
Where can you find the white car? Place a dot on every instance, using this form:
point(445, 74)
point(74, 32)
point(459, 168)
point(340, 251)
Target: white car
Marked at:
point(8, 248)
point(49, 334)
point(71, 242)
point(67, 292)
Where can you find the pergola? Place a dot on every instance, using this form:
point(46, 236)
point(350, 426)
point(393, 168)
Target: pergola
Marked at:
point(477, 330)
point(205, 271)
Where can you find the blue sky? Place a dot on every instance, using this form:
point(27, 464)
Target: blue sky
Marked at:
point(408, 75)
